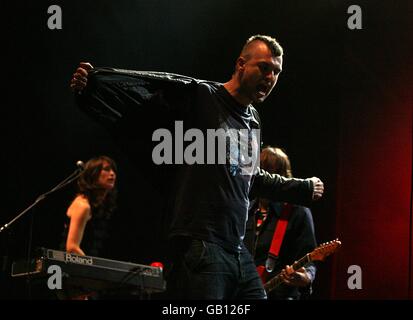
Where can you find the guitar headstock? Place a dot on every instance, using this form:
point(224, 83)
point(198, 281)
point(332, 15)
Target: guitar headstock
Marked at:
point(324, 250)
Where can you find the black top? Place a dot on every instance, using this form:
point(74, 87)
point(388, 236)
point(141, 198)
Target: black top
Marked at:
point(94, 236)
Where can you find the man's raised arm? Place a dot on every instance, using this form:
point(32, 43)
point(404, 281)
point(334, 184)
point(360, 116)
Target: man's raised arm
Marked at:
point(277, 188)
point(109, 95)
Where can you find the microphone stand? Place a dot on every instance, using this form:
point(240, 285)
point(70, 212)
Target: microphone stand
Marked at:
point(73, 176)
point(43, 196)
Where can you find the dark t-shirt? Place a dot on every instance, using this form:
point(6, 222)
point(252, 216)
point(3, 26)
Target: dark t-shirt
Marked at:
point(211, 200)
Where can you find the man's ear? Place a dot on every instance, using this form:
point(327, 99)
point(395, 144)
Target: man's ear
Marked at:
point(240, 64)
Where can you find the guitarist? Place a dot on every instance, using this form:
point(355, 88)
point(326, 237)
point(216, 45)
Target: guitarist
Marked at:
point(297, 240)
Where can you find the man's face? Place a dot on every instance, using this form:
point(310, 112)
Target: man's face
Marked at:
point(258, 72)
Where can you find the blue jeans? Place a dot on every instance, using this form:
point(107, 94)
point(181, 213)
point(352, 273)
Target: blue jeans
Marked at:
point(204, 270)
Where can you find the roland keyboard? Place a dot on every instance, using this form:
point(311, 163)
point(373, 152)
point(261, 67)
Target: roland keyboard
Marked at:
point(93, 273)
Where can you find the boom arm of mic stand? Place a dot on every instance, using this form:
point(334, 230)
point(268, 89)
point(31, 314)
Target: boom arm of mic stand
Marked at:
point(61, 185)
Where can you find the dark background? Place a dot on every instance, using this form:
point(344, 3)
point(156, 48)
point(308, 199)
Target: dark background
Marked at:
point(342, 109)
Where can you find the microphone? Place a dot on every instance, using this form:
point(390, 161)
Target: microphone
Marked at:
point(80, 165)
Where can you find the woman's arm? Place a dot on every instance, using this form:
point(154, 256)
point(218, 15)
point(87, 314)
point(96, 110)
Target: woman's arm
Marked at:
point(79, 214)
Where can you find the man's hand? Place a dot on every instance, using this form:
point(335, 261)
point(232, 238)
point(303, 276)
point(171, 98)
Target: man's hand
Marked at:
point(299, 278)
point(318, 188)
point(79, 78)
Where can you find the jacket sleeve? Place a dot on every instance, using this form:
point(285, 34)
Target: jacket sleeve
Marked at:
point(277, 188)
point(113, 94)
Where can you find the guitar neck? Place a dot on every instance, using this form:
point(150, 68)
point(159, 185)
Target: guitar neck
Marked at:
point(302, 262)
point(276, 281)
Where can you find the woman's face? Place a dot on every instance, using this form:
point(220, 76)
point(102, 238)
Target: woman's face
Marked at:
point(107, 177)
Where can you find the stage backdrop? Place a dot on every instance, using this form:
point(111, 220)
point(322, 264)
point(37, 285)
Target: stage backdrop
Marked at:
point(342, 110)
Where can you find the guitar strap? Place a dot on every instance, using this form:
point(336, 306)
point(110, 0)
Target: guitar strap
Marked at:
point(278, 236)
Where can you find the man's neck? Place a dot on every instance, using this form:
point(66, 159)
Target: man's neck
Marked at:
point(233, 88)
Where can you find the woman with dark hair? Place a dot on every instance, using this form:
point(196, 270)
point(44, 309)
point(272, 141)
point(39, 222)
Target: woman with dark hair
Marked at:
point(91, 209)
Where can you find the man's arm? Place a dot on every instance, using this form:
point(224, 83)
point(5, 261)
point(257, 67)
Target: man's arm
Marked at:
point(277, 188)
point(109, 95)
